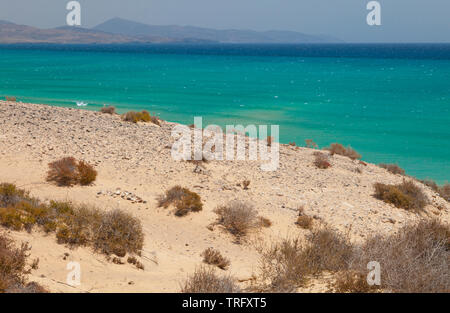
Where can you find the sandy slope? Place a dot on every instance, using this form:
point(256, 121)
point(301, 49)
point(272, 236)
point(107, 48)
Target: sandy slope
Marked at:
point(136, 158)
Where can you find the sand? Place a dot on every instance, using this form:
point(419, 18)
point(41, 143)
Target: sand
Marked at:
point(137, 158)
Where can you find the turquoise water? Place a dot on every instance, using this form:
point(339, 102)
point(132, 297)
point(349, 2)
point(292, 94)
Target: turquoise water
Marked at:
point(390, 109)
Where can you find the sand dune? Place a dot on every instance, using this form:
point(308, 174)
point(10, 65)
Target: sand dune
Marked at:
point(137, 158)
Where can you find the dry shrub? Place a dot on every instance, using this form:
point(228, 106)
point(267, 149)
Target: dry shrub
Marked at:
point(245, 184)
point(289, 264)
point(185, 201)
point(143, 116)
point(86, 173)
point(113, 232)
point(237, 217)
point(12, 268)
point(283, 267)
point(205, 280)
point(321, 161)
point(10, 195)
point(443, 191)
point(118, 233)
point(108, 110)
point(311, 144)
point(214, 257)
point(416, 259)
point(12, 99)
point(327, 251)
point(269, 140)
point(76, 228)
point(337, 148)
point(406, 195)
point(68, 172)
point(392, 168)
point(353, 281)
point(305, 222)
point(292, 144)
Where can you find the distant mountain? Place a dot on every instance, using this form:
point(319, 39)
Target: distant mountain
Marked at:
point(130, 28)
point(13, 33)
point(116, 31)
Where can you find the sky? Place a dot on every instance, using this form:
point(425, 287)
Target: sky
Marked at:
point(402, 20)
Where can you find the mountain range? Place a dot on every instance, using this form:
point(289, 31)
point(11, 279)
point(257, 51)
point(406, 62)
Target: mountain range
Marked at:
point(117, 30)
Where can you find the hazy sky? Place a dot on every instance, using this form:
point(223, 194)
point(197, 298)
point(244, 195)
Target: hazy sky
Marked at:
point(402, 20)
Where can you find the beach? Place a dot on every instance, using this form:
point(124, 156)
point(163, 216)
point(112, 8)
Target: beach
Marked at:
point(136, 158)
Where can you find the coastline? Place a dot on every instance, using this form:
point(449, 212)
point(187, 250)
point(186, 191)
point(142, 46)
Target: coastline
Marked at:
point(136, 158)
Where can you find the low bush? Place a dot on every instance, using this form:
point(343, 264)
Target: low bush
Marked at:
point(12, 99)
point(184, 200)
point(13, 270)
point(305, 222)
point(118, 233)
point(406, 195)
point(337, 148)
point(290, 264)
point(108, 110)
point(143, 116)
point(322, 161)
point(415, 259)
point(443, 191)
point(237, 217)
point(392, 168)
point(114, 232)
point(205, 280)
point(68, 172)
point(214, 257)
point(353, 281)
point(311, 144)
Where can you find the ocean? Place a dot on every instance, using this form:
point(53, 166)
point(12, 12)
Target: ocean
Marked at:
point(389, 102)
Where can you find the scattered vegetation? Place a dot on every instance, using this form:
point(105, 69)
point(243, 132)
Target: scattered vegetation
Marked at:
point(337, 148)
point(415, 259)
point(353, 281)
point(321, 161)
point(406, 195)
point(12, 99)
point(205, 280)
point(245, 184)
point(184, 200)
point(392, 168)
point(311, 144)
point(214, 257)
point(292, 144)
point(108, 110)
point(290, 263)
point(237, 217)
point(113, 232)
point(68, 172)
point(143, 116)
point(443, 191)
point(13, 272)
